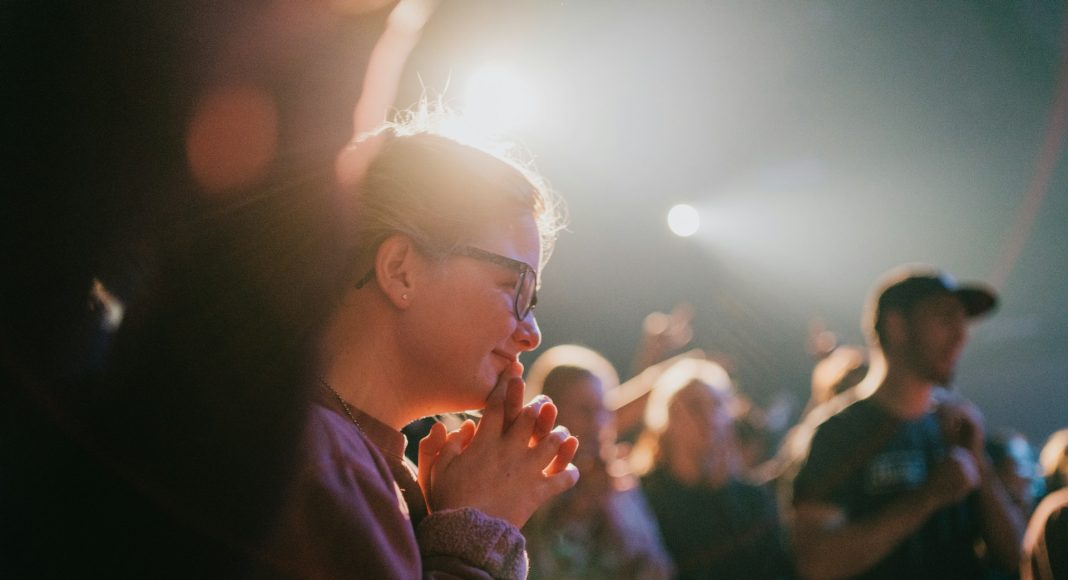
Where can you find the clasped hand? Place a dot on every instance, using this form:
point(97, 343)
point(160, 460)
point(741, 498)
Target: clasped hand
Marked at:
point(962, 424)
point(508, 465)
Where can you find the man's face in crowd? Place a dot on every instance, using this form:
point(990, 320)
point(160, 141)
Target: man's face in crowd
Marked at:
point(935, 332)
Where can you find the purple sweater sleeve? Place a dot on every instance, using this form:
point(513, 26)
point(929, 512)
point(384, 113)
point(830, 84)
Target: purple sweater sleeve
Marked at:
point(467, 537)
point(347, 519)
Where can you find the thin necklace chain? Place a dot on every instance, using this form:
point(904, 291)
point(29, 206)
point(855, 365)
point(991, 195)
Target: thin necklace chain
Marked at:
point(344, 404)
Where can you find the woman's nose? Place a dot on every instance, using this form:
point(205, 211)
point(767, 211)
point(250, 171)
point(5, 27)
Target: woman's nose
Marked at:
point(527, 333)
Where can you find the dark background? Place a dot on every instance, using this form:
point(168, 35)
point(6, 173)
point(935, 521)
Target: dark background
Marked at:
point(823, 142)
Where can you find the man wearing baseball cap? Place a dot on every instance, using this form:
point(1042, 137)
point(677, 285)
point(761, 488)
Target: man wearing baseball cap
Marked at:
point(897, 484)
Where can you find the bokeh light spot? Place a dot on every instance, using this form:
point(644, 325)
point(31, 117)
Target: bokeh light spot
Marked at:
point(684, 220)
point(232, 139)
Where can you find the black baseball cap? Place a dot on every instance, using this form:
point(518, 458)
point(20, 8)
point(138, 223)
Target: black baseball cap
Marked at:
point(902, 288)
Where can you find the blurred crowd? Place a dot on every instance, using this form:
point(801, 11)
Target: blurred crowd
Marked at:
point(719, 483)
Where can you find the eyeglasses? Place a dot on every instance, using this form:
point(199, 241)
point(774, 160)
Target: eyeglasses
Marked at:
point(526, 286)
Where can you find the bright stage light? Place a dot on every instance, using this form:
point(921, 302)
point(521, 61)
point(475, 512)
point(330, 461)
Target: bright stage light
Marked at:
point(684, 220)
point(497, 100)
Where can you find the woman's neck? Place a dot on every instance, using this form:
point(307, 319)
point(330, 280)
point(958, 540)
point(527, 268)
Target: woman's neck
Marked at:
point(361, 368)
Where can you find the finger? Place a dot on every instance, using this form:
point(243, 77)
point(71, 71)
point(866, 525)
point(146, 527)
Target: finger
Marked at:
point(561, 482)
point(549, 447)
point(545, 422)
point(513, 401)
point(466, 433)
point(429, 448)
point(564, 456)
point(523, 427)
point(431, 445)
point(460, 435)
point(493, 414)
point(452, 449)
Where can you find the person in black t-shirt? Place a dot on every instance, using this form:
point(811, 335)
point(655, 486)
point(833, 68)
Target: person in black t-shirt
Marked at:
point(898, 484)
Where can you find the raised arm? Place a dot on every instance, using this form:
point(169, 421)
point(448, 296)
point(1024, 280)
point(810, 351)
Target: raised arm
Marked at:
point(1003, 523)
point(663, 335)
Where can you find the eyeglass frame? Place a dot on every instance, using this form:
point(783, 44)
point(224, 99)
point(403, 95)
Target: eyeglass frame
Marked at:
point(519, 266)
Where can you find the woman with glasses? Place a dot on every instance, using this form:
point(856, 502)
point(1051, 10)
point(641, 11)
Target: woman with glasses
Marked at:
point(447, 243)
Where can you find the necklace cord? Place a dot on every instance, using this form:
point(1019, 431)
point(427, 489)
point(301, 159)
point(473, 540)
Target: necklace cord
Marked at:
point(344, 404)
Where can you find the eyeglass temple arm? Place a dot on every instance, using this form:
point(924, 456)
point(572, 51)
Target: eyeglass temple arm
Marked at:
point(366, 278)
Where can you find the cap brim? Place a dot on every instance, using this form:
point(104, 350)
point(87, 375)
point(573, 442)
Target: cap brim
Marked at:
point(977, 301)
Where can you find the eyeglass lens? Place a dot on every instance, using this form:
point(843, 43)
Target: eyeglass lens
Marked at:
point(525, 294)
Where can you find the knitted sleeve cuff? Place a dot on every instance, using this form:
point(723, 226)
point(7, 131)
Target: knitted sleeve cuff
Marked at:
point(489, 543)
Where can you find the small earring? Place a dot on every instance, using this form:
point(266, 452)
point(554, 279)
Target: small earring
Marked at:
point(404, 297)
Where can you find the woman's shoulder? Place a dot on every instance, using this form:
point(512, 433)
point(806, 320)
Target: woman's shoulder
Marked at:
point(343, 496)
point(333, 443)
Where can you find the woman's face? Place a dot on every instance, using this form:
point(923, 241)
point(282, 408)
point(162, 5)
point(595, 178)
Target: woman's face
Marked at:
point(699, 422)
point(582, 411)
point(464, 332)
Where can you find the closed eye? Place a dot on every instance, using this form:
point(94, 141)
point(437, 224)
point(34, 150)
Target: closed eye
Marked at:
point(508, 282)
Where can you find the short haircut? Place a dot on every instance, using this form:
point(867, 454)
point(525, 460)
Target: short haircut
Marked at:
point(440, 192)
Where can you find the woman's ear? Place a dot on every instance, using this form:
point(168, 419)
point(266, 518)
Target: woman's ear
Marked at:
point(396, 263)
